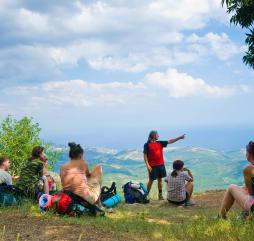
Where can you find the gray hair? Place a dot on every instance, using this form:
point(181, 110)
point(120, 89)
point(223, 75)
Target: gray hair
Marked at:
point(152, 135)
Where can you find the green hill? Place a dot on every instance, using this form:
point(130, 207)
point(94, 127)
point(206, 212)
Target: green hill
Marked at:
point(212, 169)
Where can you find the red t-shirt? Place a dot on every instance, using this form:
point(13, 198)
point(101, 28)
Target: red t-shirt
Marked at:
point(154, 152)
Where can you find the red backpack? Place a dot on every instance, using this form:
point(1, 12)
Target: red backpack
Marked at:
point(62, 203)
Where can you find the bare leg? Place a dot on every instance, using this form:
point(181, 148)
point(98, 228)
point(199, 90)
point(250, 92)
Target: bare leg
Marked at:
point(97, 173)
point(159, 184)
point(45, 185)
point(233, 193)
point(98, 202)
point(149, 185)
point(189, 189)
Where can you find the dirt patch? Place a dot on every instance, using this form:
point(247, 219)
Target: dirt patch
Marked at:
point(18, 226)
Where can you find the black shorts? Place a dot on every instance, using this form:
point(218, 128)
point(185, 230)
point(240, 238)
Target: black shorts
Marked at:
point(157, 172)
point(181, 202)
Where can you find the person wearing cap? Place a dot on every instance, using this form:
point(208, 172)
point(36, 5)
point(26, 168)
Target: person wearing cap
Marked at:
point(32, 177)
point(154, 160)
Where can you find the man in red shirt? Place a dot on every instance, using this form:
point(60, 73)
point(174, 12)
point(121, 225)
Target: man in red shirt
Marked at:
point(153, 156)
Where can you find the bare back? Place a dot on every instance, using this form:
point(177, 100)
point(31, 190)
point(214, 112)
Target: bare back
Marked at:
point(248, 174)
point(73, 177)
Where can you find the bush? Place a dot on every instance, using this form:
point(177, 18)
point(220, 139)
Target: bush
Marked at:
point(17, 139)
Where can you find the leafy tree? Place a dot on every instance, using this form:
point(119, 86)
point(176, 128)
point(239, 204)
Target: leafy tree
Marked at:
point(17, 139)
point(243, 14)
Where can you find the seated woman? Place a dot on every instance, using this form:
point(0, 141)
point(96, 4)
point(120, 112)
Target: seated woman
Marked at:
point(180, 185)
point(32, 180)
point(244, 196)
point(76, 178)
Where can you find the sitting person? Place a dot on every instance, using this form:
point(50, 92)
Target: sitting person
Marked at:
point(244, 196)
point(76, 178)
point(32, 180)
point(180, 185)
point(5, 177)
point(53, 180)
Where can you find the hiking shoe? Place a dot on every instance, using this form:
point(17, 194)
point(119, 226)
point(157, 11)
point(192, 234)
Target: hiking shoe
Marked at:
point(161, 197)
point(244, 215)
point(110, 210)
point(190, 203)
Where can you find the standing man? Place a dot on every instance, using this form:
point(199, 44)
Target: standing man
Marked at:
point(153, 156)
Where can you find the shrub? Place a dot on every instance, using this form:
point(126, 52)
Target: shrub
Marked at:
point(17, 139)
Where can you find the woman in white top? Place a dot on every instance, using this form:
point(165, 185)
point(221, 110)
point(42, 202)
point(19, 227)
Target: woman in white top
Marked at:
point(180, 184)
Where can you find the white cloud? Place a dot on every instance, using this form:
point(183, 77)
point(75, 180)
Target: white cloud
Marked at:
point(183, 85)
point(130, 36)
point(84, 94)
point(219, 45)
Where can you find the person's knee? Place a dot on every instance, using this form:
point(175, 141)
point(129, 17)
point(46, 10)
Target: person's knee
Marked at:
point(231, 187)
point(98, 169)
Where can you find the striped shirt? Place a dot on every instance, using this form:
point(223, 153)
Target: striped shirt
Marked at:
point(176, 186)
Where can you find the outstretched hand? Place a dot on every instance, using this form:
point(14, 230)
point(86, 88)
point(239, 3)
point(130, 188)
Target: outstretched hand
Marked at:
point(182, 136)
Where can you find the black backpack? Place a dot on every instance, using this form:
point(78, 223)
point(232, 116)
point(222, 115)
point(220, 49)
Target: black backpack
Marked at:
point(133, 195)
point(10, 195)
point(108, 192)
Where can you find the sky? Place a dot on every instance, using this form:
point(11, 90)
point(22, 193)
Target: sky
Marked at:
point(104, 73)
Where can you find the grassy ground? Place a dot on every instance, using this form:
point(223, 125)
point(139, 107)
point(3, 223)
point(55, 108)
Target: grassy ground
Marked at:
point(155, 221)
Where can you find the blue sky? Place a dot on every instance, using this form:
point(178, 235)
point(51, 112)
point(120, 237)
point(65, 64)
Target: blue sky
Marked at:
point(106, 72)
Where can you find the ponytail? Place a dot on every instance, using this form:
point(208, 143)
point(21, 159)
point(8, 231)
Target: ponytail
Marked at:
point(177, 166)
point(174, 173)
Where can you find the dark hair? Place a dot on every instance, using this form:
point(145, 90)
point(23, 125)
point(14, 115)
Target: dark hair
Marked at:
point(250, 148)
point(152, 135)
point(36, 152)
point(177, 166)
point(75, 150)
point(3, 159)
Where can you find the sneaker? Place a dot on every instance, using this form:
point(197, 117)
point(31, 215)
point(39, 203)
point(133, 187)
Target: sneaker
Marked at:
point(161, 197)
point(190, 203)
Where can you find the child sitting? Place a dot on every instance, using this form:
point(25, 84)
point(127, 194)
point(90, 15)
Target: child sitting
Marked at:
point(180, 185)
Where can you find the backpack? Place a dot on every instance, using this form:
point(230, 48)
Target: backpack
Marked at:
point(62, 203)
point(135, 193)
point(67, 203)
point(107, 192)
point(9, 195)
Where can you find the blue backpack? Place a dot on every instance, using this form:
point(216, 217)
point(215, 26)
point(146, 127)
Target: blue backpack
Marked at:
point(135, 193)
